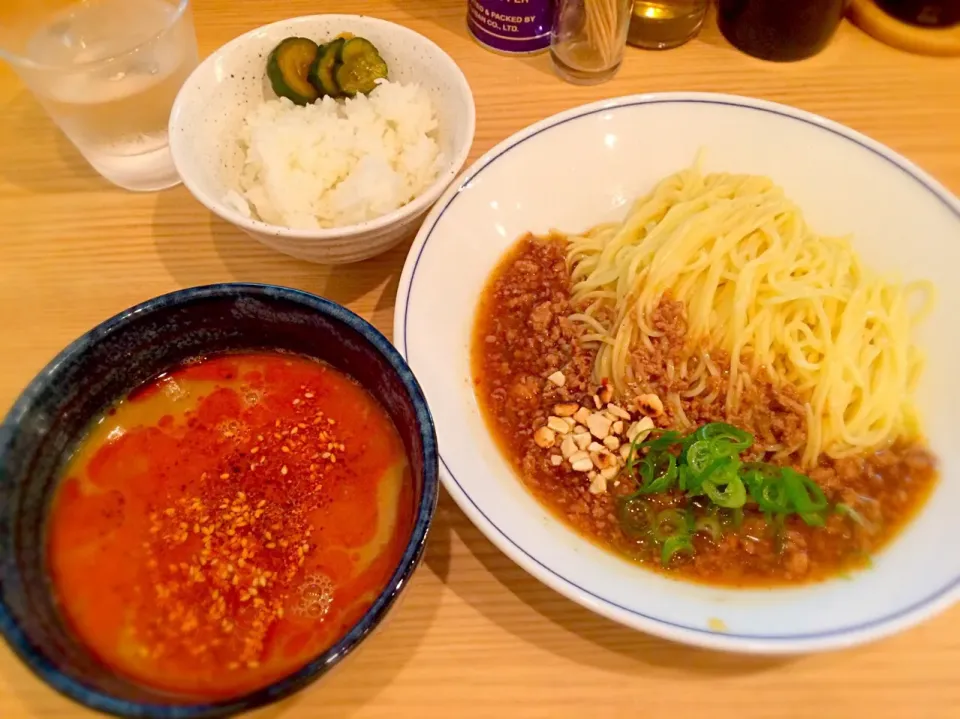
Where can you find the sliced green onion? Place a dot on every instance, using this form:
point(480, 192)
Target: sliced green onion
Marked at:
point(756, 474)
point(804, 494)
point(773, 497)
point(737, 438)
point(636, 517)
point(732, 496)
point(711, 525)
point(700, 455)
point(659, 473)
point(707, 462)
point(683, 472)
point(813, 519)
point(719, 472)
point(673, 545)
point(776, 524)
point(763, 470)
point(663, 440)
point(668, 524)
point(632, 456)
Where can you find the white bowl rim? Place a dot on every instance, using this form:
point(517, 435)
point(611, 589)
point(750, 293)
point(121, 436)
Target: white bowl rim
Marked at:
point(420, 203)
point(779, 644)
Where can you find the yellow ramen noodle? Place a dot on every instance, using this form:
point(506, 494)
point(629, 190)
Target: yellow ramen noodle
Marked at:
point(765, 289)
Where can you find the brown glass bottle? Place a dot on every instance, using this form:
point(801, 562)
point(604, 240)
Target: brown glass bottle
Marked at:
point(780, 30)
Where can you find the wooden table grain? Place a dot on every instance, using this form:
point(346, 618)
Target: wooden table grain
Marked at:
point(475, 636)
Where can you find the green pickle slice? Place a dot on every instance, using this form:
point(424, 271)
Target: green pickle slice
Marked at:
point(288, 68)
point(324, 67)
point(360, 67)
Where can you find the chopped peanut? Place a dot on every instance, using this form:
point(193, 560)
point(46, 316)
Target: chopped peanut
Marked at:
point(650, 404)
point(582, 415)
point(556, 460)
point(611, 443)
point(568, 447)
point(544, 437)
point(558, 425)
point(599, 425)
point(610, 472)
point(582, 465)
point(582, 439)
point(617, 427)
point(638, 427)
point(618, 411)
point(598, 485)
point(602, 460)
point(558, 379)
point(565, 409)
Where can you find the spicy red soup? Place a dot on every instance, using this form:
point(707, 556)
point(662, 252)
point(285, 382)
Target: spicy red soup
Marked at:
point(228, 522)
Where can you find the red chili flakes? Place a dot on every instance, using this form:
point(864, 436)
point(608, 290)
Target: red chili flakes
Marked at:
point(222, 564)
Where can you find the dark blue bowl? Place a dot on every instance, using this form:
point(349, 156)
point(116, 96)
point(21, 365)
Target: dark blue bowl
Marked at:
point(52, 414)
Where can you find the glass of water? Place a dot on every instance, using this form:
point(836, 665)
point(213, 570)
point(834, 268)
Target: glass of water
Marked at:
point(107, 72)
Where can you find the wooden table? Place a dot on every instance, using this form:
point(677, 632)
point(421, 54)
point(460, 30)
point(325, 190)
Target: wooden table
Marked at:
point(475, 636)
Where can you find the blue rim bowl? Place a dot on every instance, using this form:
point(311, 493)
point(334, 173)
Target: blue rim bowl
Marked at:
point(52, 414)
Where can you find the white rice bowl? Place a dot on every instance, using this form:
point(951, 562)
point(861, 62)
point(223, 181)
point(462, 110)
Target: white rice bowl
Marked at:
point(208, 116)
point(337, 163)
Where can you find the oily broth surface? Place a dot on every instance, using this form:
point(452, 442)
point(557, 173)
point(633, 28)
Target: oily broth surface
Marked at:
point(205, 433)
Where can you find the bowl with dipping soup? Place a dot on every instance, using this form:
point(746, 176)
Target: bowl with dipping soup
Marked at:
point(209, 500)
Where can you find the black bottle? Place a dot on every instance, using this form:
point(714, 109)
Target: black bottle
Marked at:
point(925, 13)
point(780, 29)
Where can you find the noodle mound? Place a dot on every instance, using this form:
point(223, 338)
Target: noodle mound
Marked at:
point(761, 287)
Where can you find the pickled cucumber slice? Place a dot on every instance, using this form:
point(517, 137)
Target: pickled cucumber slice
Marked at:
point(288, 68)
point(324, 67)
point(360, 67)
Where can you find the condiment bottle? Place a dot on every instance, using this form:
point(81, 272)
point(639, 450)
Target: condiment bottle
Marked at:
point(780, 29)
point(514, 27)
point(663, 24)
point(925, 13)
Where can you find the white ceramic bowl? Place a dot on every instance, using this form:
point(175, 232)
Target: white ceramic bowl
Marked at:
point(583, 166)
point(210, 107)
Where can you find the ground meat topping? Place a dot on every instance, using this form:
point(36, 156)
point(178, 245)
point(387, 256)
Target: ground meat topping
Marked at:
point(568, 435)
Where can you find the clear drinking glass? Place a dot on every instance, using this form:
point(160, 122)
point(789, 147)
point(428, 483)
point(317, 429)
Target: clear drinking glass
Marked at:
point(588, 39)
point(107, 72)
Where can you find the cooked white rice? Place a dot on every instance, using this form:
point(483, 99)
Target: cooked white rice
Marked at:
point(334, 163)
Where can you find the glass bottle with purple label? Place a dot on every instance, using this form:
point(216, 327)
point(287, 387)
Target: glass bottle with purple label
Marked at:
point(511, 26)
